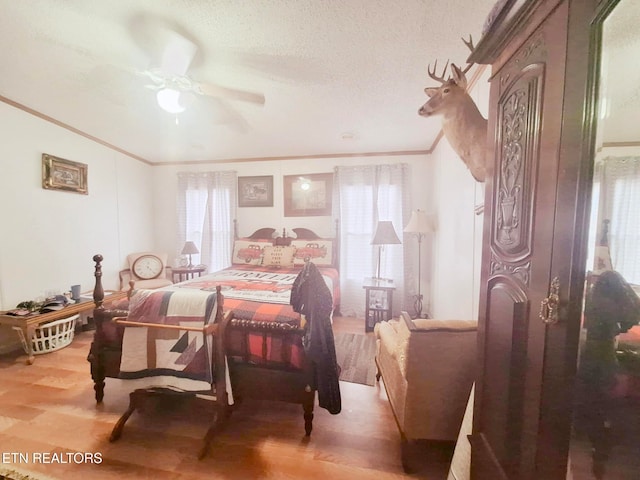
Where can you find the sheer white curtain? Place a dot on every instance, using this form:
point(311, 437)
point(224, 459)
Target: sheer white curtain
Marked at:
point(363, 195)
point(206, 210)
point(616, 197)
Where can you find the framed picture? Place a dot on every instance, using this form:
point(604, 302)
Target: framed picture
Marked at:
point(61, 174)
point(308, 195)
point(255, 191)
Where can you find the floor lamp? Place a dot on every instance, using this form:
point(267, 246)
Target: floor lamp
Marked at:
point(385, 235)
point(419, 224)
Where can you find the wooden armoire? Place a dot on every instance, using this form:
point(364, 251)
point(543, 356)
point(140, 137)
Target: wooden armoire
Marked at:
point(537, 193)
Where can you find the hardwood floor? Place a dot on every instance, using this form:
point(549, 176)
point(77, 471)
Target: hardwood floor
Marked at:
point(49, 408)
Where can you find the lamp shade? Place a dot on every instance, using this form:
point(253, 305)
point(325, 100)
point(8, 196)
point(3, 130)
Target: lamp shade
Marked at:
point(385, 234)
point(190, 249)
point(419, 223)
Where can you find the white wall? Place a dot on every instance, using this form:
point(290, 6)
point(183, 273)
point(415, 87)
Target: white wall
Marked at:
point(251, 218)
point(49, 237)
point(457, 244)
point(458, 239)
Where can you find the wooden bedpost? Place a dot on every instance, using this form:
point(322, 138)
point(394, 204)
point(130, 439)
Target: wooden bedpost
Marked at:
point(98, 290)
point(98, 373)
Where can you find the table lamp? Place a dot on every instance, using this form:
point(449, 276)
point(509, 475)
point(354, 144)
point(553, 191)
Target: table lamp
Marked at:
point(190, 249)
point(385, 235)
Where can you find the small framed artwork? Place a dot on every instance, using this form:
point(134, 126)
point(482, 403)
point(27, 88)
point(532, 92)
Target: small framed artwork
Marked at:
point(61, 174)
point(255, 191)
point(308, 195)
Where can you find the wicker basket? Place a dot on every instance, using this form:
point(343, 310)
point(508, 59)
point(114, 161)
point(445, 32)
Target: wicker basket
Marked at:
point(51, 336)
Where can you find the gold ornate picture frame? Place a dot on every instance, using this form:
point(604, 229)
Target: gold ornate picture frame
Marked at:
point(61, 174)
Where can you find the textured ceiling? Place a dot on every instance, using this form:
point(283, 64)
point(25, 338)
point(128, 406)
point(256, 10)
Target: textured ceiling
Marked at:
point(338, 76)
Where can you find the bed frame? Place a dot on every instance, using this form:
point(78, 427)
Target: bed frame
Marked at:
point(268, 233)
point(248, 380)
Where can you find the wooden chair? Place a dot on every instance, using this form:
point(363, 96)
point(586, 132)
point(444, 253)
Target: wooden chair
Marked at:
point(164, 277)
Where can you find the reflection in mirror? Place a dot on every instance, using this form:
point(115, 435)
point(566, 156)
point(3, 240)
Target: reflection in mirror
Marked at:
point(605, 441)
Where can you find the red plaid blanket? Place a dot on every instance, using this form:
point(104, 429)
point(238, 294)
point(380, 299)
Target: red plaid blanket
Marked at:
point(264, 348)
point(235, 292)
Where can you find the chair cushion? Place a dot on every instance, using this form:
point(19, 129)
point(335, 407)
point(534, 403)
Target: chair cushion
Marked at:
point(131, 259)
point(433, 324)
point(387, 336)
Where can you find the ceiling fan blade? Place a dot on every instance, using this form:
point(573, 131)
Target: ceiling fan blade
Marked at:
point(225, 114)
point(177, 54)
point(229, 93)
point(164, 44)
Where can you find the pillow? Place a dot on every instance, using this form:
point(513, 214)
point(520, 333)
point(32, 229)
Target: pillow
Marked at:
point(247, 252)
point(278, 256)
point(319, 252)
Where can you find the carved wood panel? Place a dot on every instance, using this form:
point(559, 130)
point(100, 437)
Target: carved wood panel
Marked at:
point(514, 262)
point(519, 114)
point(521, 420)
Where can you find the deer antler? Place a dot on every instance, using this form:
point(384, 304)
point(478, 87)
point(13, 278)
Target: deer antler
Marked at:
point(469, 44)
point(433, 74)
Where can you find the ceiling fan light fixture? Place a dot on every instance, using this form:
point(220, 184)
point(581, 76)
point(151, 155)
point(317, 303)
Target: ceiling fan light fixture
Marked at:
point(169, 100)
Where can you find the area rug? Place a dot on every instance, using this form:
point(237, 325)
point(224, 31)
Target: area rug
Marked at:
point(355, 354)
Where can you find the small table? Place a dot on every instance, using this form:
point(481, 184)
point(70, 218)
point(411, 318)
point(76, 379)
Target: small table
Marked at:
point(187, 273)
point(28, 323)
point(379, 301)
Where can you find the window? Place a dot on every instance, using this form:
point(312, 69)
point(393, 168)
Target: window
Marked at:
point(206, 210)
point(616, 196)
point(365, 195)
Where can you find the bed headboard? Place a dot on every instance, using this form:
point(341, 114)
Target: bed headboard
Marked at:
point(299, 234)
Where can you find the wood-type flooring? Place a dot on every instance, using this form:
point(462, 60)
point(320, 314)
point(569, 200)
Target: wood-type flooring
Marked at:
point(51, 427)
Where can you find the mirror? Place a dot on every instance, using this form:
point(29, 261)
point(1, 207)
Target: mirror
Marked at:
point(606, 425)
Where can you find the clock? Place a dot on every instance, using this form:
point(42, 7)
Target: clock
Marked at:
point(147, 267)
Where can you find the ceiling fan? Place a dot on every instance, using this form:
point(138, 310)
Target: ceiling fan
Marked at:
point(172, 51)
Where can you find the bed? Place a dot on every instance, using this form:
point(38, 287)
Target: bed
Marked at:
point(264, 338)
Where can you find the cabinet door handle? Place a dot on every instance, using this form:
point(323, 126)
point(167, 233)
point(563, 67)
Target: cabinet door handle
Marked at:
point(549, 306)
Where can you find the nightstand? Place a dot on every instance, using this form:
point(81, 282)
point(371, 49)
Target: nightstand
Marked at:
point(379, 301)
point(180, 274)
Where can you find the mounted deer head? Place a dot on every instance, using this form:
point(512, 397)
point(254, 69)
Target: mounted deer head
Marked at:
point(463, 125)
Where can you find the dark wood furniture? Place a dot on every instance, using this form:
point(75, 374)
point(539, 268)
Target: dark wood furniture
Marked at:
point(540, 160)
point(248, 378)
point(180, 274)
point(29, 323)
point(379, 301)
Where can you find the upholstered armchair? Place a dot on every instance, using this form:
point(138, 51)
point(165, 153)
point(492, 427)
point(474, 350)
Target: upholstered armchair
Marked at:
point(153, 273)
point(428, 369)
